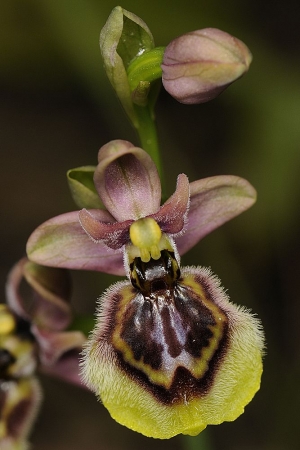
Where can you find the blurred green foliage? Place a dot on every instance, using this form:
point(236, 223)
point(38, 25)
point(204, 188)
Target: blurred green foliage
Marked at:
point(57, 109)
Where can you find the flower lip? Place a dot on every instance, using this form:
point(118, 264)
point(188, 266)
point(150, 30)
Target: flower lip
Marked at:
point(172, 360)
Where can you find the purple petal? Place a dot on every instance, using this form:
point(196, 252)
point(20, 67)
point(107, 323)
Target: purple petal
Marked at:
point(127, 181)
point(47, 306)
point(61, 242)
point(114, 235)
point(53, 345)
point(172, 215)
point(66, 368)
point(59, 353)
point(214, 201)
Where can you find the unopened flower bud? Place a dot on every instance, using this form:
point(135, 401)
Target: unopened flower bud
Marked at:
point(199, 65)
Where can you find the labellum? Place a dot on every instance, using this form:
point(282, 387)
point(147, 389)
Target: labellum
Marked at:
point(170, 354)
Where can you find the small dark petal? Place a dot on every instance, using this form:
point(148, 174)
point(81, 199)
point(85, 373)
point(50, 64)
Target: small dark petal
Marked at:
point(114, 235)
point(172, 216)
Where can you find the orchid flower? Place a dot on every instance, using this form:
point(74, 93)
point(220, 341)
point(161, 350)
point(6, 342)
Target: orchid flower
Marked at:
point(169, 354)
point(32, 337)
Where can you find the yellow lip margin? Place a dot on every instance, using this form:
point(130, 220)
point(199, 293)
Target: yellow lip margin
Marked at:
point(235, 382)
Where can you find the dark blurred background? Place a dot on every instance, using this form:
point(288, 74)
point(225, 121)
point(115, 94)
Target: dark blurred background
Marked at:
point(57, 108)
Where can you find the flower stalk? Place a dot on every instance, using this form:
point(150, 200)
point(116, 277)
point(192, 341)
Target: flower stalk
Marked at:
point(148, 135)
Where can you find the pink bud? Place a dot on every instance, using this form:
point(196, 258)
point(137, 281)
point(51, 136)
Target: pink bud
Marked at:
point(199, 65)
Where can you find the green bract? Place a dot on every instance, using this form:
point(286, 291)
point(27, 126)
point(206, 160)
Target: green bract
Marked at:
point(82, 187)
point(123, 38)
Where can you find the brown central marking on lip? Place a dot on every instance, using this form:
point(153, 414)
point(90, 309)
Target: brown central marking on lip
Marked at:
point(174, 347)
point(136, 330)
point(171, 342)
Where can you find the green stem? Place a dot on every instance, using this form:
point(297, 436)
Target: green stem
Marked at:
point(143, 74)
point(200, 442)
point(148, 134)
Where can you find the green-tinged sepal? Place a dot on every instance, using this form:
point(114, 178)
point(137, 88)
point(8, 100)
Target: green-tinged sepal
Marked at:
point(124, 37)
point(82, 187)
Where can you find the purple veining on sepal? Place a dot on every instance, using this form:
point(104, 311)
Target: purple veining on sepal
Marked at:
point(127, 181)
point(62, 242)
point(214, 201)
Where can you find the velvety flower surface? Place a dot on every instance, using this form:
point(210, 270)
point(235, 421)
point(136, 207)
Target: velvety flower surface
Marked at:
point(128, 185)
point(170, 354)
